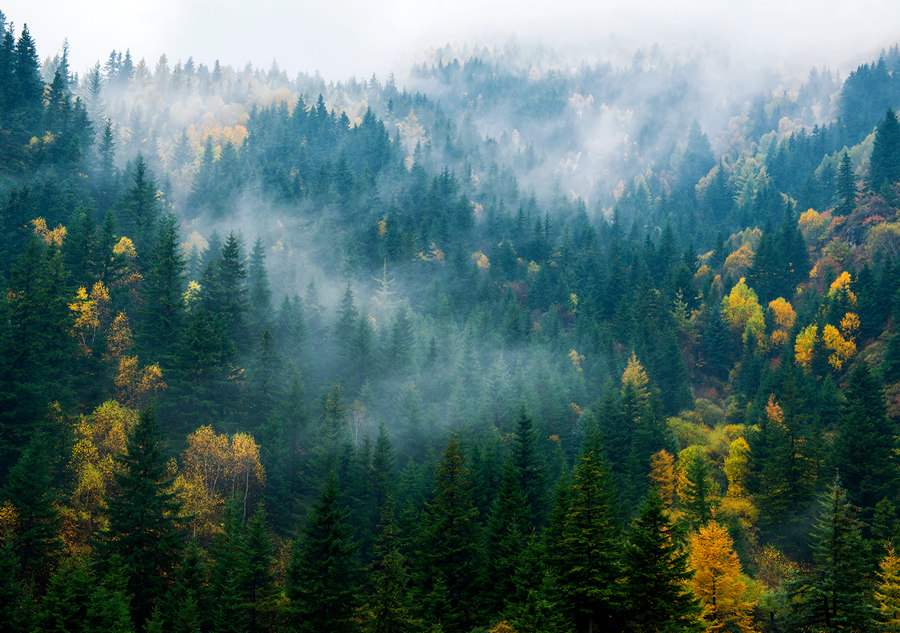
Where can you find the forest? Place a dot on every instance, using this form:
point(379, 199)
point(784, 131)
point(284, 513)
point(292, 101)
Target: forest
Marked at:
point(508, 345)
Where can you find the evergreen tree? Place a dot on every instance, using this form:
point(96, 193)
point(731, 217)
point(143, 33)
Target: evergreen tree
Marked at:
point(836, 594)
point(846, 187)
point(589, 551)
point(504, 542)
point(35, 538)
point(388, 604)
point(656, 571)
point(864, 450)
point(162, 306)
point(447, 556)
point(322, 576)
point(259, 293)
point(531, 467)
point(142, 520)
point(884, 166)
point(140, 210)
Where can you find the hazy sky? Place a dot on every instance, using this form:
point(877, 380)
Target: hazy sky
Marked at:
point(344, 37)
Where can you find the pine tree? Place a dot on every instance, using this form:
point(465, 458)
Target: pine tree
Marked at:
point(142, 520)
point(866, 443)
point(322, 576)
point(589, 552)
point(837, 593)
point(531, 467)
point(884, 166)
point(162, 293)
point(656, 571)
point(846, 187)
point(388, 604)
point(447, 556)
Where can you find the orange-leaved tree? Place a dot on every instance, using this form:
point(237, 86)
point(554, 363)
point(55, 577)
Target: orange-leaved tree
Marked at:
point(717, 580)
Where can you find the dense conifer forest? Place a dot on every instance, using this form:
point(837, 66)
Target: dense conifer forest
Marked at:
point(510, 345)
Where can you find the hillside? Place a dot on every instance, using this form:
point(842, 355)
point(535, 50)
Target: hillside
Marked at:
point(509, 344)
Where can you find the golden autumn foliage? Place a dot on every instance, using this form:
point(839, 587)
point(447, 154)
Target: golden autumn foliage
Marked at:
point(738, 262)
point(814, 226)
point(577, 359)
point(124, 248)
point(784, 317)
point(841, 349)
point(840, 290)
point(135, 386)
point(481, 260)
point(8, 517)
point(717, 582)
point(743, 312)
point(662, 476)
point(119, 339)
point(804, 346)
point(91, 313)
point(635, 377)
point(214, 468)
point(774, 569)
point(887, 595)
point(502, 627)
point(737, 469)
point(841, 345)
point(47, 236)
point(98, 439)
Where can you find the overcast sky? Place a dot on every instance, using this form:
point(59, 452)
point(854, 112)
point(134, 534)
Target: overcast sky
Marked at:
point(340, 38)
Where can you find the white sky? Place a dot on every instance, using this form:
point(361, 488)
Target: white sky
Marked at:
point(344, 37)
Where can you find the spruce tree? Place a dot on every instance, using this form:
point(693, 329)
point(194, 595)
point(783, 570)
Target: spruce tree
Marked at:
point(388, 603)
point(846, 186)
point(531, 467)
point(322, 576)
point(588, 561)
point(448, 547)
point(656, 570)
point(162, 311)
point(837, 593)
point(504, 541)
point(143, 533)
point(864, 450)
point(884, 166)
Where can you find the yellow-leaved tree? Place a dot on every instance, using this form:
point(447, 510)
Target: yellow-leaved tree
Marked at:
point(662, 476)
point(743, 312)
point(91, 311)
point(214, 468)
point(737, 469)
point(717, 582)
point(99, 438)
point(888, 592)
point(783, 317)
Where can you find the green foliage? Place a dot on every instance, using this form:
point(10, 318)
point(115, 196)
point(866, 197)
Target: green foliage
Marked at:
point(322, 577)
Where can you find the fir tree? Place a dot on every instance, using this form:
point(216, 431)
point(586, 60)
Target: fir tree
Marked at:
point(589, 552)
point(448, 546)
point(656, 571)
point(836, 594)
point(322, 576)
point(865, 448)
point(388, 604)
point(142, 520)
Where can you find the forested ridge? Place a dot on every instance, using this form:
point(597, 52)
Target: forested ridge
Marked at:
point(508, 345)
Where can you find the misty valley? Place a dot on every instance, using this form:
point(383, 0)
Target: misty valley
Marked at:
point(518, 341)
